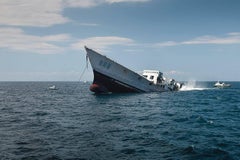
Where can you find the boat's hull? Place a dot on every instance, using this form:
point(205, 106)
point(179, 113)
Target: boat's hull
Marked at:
point(222, 86)
point(106, 84)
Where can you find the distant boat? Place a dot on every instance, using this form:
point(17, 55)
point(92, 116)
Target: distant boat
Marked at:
point(221, 84)
point(112, 77)
point(52, 87)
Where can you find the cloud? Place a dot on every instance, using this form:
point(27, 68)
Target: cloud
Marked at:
point(119, 1)
point(102, 43)
point(166, 44)
point(81, 3)
point(44, 14)
point(230, 38)
point(88, 24)
point(94, 3)
point(173, 72)
point(31, 13)
point(16, 39)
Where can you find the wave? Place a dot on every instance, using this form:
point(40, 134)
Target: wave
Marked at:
point(192, 85)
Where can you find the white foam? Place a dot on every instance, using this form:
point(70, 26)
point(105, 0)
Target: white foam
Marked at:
point(191, 85)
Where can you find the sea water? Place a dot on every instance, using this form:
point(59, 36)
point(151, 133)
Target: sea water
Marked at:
point(198, 122)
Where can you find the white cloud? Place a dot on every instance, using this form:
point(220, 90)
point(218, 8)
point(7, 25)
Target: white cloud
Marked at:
point(31, 13)
point(119, 1)
point(230, 38)
point(102, 43)
point(167, 43)
point(40, 13)
point(234, 34)
point(81, 3)
point(173, 72)
point(16, 39)
point(214, 40)
point(88, 24)
point(93, 3)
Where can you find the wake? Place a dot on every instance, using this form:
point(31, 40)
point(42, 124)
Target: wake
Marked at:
point(191, 86)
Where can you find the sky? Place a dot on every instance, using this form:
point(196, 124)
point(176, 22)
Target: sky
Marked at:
point(185, 39)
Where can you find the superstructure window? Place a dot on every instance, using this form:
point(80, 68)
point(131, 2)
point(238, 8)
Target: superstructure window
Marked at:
point(151, 77)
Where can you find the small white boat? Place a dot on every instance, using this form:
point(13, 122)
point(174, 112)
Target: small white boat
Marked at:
point(52, 87)
point(221, 84)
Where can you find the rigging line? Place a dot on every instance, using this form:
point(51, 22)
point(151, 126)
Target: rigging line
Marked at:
point(83, 73)
point(86, 67)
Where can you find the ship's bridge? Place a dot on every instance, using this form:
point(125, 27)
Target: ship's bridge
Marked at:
point(153, 76)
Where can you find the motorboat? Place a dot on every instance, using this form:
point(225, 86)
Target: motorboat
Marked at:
point(52, 87)
point(112, 77)
point(221, 84)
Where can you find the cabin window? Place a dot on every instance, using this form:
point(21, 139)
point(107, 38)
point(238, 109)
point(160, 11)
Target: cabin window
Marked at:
point(151, 77)
point(145, 76)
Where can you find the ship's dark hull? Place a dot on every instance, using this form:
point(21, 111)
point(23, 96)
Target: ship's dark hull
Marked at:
point(106, 84)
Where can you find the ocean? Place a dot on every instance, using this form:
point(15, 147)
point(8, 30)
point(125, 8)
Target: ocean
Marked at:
point(199, 122)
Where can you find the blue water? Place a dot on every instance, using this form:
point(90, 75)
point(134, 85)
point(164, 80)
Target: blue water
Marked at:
point(201, 122)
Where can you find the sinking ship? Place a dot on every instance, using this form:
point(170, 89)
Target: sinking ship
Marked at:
point(112, 77)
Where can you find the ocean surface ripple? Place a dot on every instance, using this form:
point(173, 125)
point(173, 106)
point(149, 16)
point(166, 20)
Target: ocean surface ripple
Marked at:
point(199, 122)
